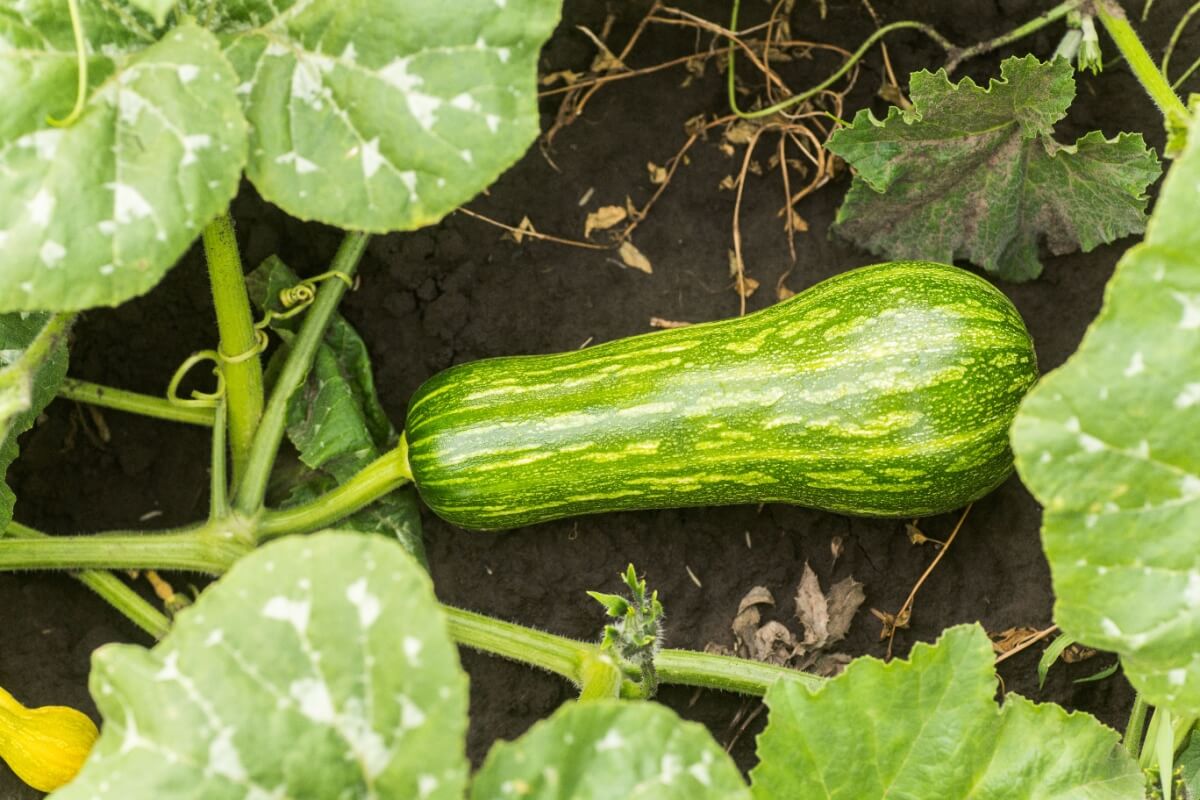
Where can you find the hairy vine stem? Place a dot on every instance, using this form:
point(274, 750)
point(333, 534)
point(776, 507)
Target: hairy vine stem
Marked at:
point(252, 484)
point(134, 402)
point(1113, 18)
point(240, 364)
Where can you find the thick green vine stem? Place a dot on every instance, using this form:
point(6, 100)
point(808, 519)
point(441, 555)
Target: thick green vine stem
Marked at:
point(1132, 741)
point(110, 588)
point(144, 404)
point(252, 482)
point(1113, 18)
point(240, 345)
point(211, 548)
point(566, 657)
point(382, 476)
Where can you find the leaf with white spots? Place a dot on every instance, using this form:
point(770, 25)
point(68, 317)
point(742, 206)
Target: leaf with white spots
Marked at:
point(33, 363)
point(929, 727)
point(335, 419)
point(1108, 443)
point(384, 114)
point(976, 173)
point(319, 666)
point(610, 750)
point(96, 213)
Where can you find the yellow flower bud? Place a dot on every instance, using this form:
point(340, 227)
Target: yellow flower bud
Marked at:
point(46, 746)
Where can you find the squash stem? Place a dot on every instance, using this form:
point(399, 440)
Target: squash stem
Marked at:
point(144, 404)
point(239, 348)
point(567, 658)
point(1148, 74)
point(110, 588)
point(211, 548)
point(252, 482)
point(383, 475)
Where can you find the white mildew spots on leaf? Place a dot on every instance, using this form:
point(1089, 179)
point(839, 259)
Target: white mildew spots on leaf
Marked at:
point(411, 716)
point(372, 160)
point(128, 204)
point(313, 699)
point(1137, 365)
point(611, 741)
point(223, 757)
point(426, 785)
point(40, 207)
point(1191, 309)
point(367, 604)
point(1189, 397)
point(301, 164)
point(1091, 444)
point(52, 253)
point(412, 650)
point(44, 141)
point(162, 132)
point(295, 613)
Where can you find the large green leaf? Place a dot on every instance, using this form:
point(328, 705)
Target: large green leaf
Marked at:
point(33, 363)
point(318, 667)
point(96, 212)
point(975, 173)
point(1108, 443)
point(611, 750)
point(383, 114)
point(929, 727)
point(335, 419)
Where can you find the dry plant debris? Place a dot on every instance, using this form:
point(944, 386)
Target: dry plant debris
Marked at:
point(824, 619)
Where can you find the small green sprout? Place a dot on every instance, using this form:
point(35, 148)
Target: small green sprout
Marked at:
point(635, 636)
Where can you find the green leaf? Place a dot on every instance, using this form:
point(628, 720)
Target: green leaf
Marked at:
point(318, 667)
point(1108, 444)
point(33, 364)
point(335, 419)
point(97, 212)
point(976, 174)
point(384, 114)
point(610, 750)
point(929, 727)
point(155, 8)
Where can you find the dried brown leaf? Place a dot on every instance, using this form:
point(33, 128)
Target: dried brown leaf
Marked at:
point(1076, 653)
point(812, 609)
point(758, 596)
point(1006, 640)
point(633, 258)
point(658, 175)
point(748, 286)
point(891, 622)
point(795, 222)
point(566, 76)
point(773, 643)
point(603, 218)
point(518, 236)
point(845, 598)
point(659, 322)
point(741, 132)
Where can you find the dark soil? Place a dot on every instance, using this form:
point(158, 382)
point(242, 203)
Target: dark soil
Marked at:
point(460, 291)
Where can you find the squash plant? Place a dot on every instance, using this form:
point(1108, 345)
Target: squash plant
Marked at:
point(322, 665)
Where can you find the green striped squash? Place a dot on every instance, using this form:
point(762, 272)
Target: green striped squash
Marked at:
point(884, 391)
